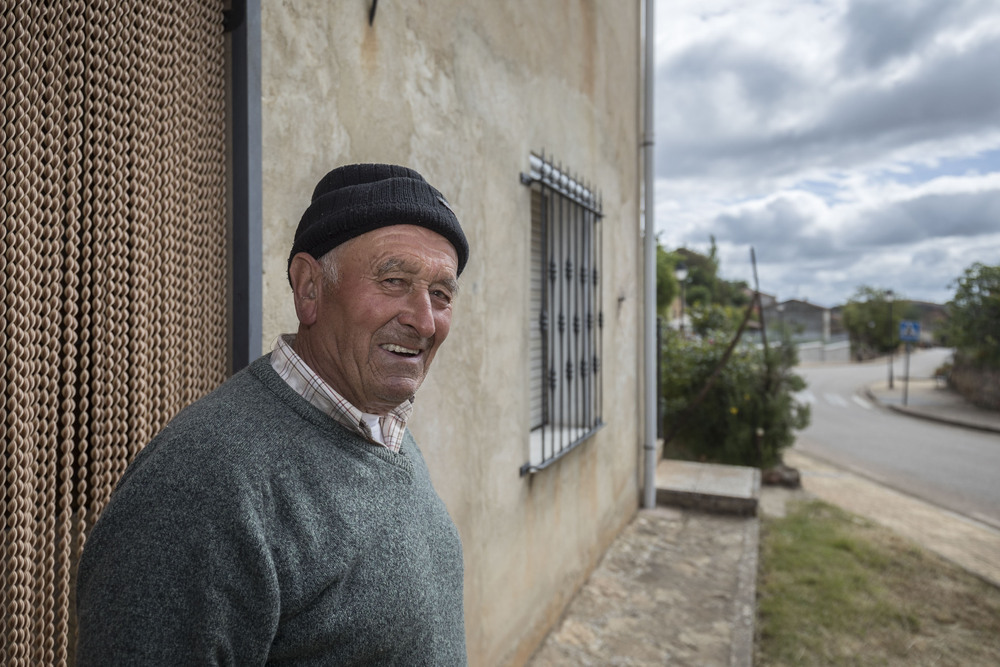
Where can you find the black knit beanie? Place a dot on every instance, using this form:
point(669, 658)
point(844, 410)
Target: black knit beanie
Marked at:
point(358, 198)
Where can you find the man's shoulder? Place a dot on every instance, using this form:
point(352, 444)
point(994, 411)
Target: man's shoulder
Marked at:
point(247, 389)
point(230, 426)
point(254, 402)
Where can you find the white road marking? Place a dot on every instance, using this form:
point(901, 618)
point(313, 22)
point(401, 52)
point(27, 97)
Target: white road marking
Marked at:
point(835, 399)
point(804, 396)
point(862, 402)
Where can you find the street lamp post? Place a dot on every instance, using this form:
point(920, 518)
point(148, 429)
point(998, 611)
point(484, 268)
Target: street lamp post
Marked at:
point(890, 297)
point(681, 273)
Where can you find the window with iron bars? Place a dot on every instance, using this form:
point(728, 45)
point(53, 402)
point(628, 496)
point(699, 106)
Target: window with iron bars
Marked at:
point(566, 316)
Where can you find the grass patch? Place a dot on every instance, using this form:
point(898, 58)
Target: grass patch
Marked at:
point(835, 589)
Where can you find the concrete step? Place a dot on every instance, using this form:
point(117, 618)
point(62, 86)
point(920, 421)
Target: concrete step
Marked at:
point(708, 487)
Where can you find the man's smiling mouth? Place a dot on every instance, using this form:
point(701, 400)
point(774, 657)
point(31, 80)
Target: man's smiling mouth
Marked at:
point(399, 349)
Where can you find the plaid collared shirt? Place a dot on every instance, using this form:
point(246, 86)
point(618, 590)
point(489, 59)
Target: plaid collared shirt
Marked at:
point(293, 370)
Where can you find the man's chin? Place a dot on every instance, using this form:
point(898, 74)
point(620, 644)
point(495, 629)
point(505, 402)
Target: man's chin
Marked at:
point(397, 392)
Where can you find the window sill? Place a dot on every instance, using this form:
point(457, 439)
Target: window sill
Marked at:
point(547, 438)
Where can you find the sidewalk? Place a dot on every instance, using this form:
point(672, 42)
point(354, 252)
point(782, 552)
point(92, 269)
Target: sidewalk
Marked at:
point(970, 544)
point(678, 585)
point(927, 399)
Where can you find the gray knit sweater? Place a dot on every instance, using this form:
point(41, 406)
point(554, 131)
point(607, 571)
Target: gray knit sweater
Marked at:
point(255, 529)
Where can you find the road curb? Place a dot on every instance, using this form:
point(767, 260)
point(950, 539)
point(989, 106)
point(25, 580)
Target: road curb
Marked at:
point(745, 602)
point(910, 412)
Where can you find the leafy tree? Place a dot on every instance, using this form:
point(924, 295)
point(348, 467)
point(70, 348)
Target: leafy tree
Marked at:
point(703, 272)
point(726, 404)
point(749, 413)
point(910, 311)
point(704, 287)
point(867, 320)
point(733, 293)
point(698, 295)
point(974, 327)
point(711, 319)
point(667, 287)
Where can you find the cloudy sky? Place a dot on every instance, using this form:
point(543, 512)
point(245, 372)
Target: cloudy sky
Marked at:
point(849, 142)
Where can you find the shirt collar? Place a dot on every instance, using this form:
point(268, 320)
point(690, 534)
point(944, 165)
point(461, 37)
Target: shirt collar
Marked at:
point(306, 383)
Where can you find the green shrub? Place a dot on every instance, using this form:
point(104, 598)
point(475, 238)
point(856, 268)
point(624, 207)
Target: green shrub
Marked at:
point(747, 416)
point(974, 328)
point(867, 320)
point(711, 319)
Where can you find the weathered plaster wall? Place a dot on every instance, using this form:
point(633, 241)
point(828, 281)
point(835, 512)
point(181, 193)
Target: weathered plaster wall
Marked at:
point(464, 91)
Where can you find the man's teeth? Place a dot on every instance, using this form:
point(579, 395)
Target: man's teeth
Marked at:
point(399, 349)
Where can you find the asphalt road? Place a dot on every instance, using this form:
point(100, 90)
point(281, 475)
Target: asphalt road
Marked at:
point(955, 468)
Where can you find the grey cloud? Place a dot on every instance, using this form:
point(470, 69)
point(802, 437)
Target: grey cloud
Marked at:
point(926, 279)
point(929, 257)
point(783, 228)
point(953, 95)
point(878, 32)
point(736, 123)
point(932, 216)
point(786, 231)
point(765, 81)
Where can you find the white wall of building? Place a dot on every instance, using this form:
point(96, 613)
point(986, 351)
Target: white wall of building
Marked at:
point(464, 91)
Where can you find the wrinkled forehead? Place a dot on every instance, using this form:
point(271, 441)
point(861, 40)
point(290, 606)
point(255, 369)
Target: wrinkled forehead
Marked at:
point(410, 248)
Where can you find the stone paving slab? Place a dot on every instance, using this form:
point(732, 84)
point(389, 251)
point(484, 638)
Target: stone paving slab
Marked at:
point(708, 487)
point(677, 587)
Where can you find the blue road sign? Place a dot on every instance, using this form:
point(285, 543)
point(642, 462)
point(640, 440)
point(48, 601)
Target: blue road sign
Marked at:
point(909, 331)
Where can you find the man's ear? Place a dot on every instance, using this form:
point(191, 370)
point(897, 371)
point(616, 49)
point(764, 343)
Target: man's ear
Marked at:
point(306, 275)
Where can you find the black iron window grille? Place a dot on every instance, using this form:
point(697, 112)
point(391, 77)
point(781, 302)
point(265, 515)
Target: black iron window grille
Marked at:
point(566, 316)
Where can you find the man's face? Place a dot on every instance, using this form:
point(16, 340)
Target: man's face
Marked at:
point(376, 330)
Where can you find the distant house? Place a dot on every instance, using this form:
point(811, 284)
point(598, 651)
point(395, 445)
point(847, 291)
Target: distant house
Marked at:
point(766, 300)
point(806, 321)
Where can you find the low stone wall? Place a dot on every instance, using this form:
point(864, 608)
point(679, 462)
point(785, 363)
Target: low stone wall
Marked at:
point(980, 386)
point(817, 351)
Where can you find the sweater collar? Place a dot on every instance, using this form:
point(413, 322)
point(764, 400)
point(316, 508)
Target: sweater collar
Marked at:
point(291, 368)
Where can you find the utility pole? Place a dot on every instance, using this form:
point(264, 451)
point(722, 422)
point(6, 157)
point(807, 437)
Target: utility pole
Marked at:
point(890, 296)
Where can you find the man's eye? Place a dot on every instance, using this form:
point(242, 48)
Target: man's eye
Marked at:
point(444, 296)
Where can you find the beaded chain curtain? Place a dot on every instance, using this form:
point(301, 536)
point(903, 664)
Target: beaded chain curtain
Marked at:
point(112, 271)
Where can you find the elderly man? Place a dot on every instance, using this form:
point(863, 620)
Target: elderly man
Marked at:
point(288, 517)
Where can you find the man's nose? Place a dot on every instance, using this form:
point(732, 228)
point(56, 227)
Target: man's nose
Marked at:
point(419, 313)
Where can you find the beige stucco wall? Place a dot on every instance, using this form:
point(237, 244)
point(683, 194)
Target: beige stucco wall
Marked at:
point(464, 91)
